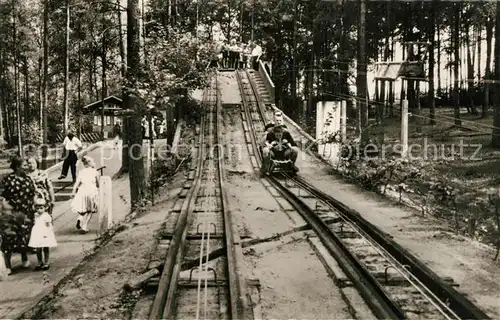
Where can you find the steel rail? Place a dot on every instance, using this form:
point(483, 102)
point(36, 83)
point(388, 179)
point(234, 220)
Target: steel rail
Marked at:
point(374, 295)
point(163, 301)
point(206, 204)
point(457, 303)
point(239, 299)
point(444, 309)
point(198, 300)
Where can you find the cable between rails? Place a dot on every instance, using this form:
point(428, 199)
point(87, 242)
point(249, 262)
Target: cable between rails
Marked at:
point(209, 202)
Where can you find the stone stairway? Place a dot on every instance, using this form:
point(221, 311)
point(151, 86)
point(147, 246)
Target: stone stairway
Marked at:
point(261, 86)
point(62, 189)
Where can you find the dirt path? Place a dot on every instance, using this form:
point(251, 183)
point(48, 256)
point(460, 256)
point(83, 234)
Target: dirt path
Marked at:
point(294, 282)
point(469, 263)
point(94, 290)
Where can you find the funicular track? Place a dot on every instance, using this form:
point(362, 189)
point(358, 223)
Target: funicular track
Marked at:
point(211, 289)
point(392, 282)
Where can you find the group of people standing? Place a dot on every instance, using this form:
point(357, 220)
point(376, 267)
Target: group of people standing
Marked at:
point(240, 55)
point(158, 127)
point(26, 224)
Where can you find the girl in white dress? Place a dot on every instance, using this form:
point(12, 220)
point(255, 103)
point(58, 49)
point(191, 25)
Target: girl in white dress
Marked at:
point(42, 235)
point(85, 194)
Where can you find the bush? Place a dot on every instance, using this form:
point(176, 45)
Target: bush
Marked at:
point(31, 133)
point(472, 212)
point(163, 170)
point(192, 111)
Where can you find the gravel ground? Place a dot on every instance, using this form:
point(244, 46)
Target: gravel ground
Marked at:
point(94, 291)
point(294, 283)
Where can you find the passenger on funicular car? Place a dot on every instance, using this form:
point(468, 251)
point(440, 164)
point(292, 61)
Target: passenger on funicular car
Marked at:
point(280, 146)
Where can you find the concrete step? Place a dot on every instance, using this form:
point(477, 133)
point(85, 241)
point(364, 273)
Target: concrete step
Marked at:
point(61, 183)
point(63, 196)
point(63, 189)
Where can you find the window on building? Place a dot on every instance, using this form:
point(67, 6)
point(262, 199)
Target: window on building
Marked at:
point(97, 120)
point(108, 120)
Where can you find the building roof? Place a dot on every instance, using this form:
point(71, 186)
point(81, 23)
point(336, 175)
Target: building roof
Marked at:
point(111, 99)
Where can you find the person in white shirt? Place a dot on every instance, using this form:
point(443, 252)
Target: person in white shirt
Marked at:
point(71, 146)
point(234, 54)
point(256, 53)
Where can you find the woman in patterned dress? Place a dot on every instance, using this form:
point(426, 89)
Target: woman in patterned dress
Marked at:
point(43, 184)
point(15, 229)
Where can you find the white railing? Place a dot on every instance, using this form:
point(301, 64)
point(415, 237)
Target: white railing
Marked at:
point(267, 80)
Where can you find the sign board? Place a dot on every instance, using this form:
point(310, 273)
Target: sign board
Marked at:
point(387, 70)
point(105, 203)
point(414, 69)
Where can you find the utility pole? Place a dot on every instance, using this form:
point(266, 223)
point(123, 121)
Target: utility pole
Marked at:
point(66, 72)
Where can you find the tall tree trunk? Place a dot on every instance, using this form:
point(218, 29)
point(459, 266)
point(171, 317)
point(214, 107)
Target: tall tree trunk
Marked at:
point(16, 84)
point(134, 134)
point(293, 82)
point(487, 74)
point(480, 85)
point(432, 36)
point(96, 74)
point(438, 32)
point(104, 89)
point(79, 103)
point(2, 98)
point(471, 88)
point(123, 68)
point(383, 98)
point(91, 78)
point(479, 30)
point(495, 139)
point(229, 20)
point(4, 94)
point(361, 68)
point(344, 67)
point(43, 111)
point(66, 71)
point(26, 90)
point(40, 86)
point(456, 50)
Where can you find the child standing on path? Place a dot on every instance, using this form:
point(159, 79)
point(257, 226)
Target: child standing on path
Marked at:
point(42, 235)
point(85, 194)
